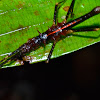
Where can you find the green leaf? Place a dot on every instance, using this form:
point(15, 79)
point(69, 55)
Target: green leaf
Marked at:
point(20, 20)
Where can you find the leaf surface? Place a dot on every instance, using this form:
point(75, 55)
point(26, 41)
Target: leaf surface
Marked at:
point(20, 20)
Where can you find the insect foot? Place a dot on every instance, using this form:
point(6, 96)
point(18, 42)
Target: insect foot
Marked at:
point(96, 10)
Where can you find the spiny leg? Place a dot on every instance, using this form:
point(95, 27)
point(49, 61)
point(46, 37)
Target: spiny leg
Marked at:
point(57, 6)
point(50, 53)
point(70, 11)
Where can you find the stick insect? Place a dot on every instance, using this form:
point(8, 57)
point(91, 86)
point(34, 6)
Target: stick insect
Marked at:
point(53, 34)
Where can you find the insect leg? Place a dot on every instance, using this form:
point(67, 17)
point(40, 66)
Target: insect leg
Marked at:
point(11, 56)
point(70, 11)
point(85, 29)
point(3, 62)
point(6, 60)
point(57, 6)
point(92, 37)
point(50, 53)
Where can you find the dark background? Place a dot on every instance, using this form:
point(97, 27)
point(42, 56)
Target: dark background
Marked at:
point(75, 76)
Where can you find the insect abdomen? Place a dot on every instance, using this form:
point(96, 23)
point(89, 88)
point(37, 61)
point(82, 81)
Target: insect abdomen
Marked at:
point(31, 44)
